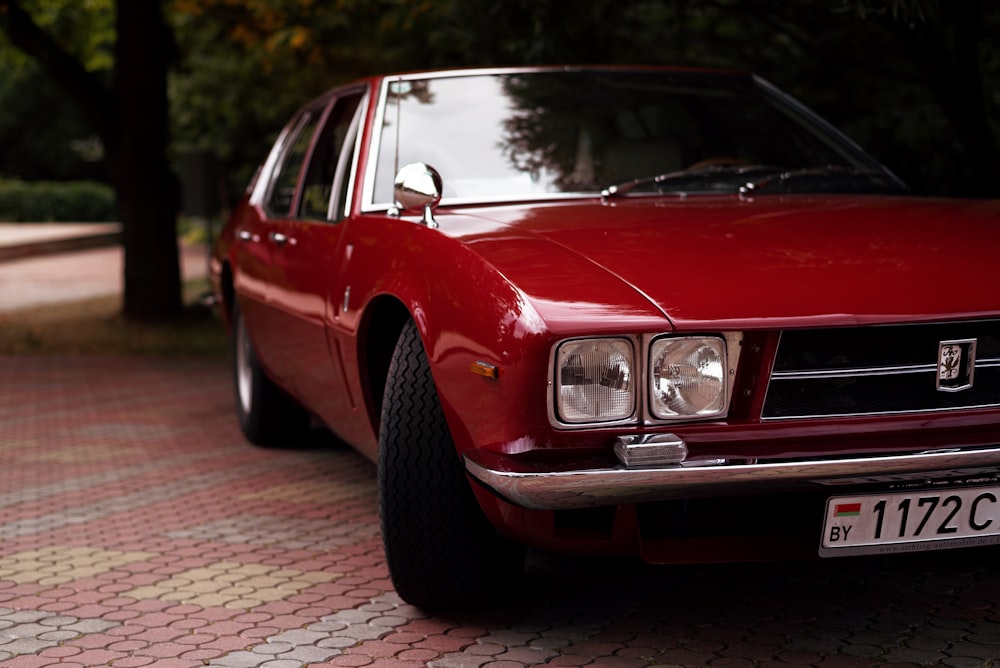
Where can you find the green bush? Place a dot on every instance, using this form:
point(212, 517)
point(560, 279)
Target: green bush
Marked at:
point(51, 201)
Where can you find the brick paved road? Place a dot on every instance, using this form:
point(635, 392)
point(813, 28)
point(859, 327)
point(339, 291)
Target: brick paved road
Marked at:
point(138, 529)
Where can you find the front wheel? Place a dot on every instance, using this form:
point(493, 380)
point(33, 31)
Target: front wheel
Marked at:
point(442, 552)
point(268, 416)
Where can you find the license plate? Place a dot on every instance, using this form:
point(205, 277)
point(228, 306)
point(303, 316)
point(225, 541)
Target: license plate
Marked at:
point(911, 521)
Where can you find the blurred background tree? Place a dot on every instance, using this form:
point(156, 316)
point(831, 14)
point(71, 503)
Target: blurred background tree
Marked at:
point(111, 59)
point(916, 82)
point(43, 135)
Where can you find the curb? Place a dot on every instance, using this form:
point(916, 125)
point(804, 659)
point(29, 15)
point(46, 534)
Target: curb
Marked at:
point(29, 249)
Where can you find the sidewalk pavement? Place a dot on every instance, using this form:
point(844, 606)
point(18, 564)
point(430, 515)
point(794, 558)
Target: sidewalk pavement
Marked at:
point(50, 263)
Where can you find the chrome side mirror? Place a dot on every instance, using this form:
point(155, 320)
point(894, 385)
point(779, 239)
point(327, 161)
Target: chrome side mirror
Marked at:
point(418, 186)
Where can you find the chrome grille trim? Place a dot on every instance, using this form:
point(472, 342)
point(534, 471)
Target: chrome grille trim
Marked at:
point(848, 373)
point(868, 371)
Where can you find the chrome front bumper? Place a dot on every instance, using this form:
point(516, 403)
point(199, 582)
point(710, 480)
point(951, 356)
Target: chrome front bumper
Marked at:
point(561, 490)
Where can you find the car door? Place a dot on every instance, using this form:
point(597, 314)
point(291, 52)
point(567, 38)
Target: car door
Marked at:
point(305, 248)
point(252, 248)
point(261, 233)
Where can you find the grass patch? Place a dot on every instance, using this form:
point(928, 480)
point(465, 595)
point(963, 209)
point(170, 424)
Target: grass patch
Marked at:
point(96, 326)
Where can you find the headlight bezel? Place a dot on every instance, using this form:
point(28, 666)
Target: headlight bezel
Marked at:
point(642, 346)
point(556, 410)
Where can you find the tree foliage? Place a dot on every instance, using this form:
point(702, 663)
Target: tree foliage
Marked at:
point(246, 66)
point(55, 144)
point(917, 82)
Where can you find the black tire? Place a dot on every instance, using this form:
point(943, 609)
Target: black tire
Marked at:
point(442, 552)
point(268, 416)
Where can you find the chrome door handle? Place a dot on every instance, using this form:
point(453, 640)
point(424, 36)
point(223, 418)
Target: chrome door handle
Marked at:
point(278, 238)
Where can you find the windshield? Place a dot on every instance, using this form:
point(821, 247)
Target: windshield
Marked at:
point(512, 135)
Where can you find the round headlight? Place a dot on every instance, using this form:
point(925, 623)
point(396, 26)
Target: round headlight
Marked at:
point(688, 377)
point(594, 381)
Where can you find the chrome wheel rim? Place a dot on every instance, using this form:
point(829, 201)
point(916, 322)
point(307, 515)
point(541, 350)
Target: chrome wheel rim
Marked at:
point(244, 371)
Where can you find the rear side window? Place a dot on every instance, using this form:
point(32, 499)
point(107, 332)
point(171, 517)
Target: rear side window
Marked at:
point(282, 194)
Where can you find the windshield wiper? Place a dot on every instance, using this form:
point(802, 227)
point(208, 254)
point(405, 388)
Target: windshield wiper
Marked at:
point(830, 179)
point(766, 179)
point(727, 178)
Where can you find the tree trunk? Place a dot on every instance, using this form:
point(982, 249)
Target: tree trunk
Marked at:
point(146, 187)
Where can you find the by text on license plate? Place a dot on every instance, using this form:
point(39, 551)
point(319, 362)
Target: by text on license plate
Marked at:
point(911, 521)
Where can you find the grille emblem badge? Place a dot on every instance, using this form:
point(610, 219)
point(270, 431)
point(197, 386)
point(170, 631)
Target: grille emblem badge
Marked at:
point(956, 365)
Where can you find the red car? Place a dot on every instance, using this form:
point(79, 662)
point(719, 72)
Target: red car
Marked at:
point(625, 311)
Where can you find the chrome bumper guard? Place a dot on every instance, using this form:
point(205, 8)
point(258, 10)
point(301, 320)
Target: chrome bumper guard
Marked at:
point(588, 488)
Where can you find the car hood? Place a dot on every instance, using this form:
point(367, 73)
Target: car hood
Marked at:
point(720, 262)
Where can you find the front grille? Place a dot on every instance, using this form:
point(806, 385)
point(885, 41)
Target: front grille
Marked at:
point(878, 370)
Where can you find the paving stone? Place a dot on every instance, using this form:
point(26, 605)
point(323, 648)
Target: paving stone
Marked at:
point(576, 661)
point(239, 660)
point(906, 655)
point(815, 644)
point(307, 654)
point(337, 642)
point(15, 646)
point(460, 660)
point(964, 662)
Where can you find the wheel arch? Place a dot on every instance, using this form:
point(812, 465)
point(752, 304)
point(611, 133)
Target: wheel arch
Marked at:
point(383, 321)
point(466, 311)
point(227, 292)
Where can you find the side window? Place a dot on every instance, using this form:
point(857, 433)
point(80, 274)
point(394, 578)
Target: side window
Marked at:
point(279, 199)
point(333, 150)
